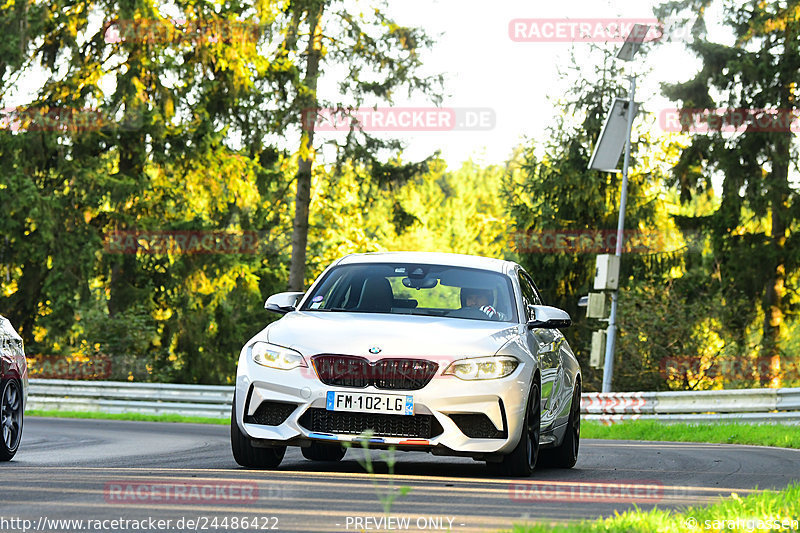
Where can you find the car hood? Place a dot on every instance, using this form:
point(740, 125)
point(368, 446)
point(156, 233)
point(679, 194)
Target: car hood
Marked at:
point(316, 332)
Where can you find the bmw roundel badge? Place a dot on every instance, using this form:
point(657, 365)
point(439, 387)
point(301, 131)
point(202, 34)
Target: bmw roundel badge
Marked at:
point(374, 350)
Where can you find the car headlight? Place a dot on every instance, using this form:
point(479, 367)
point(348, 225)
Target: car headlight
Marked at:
point(272, 356)
point(482, 367)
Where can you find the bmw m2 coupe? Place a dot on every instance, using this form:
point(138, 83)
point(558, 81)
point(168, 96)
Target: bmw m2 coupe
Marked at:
point(444, 353)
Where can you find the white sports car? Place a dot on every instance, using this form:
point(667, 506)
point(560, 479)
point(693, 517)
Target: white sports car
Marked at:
point(444, 353)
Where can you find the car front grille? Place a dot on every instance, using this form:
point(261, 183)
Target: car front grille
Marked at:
point(386, 374)
point(416, 426)
point(477, 426)
point(271, 413)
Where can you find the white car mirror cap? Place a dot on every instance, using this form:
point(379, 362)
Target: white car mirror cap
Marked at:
point(283, 302)
point(547, 317)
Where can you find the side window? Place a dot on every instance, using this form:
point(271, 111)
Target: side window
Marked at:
point(529, 294)
point(536, 296)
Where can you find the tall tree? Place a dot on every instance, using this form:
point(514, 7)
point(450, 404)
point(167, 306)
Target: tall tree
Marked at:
point(308, 100)
point(162, 102)
point(370, 57)
point(757, 76)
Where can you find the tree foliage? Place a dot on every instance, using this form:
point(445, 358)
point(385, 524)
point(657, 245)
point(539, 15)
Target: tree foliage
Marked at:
point(556, 192)
point(186, 123)
point(756, 76)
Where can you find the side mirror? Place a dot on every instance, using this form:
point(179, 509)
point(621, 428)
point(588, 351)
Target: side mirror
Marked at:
point(548, 317)
point(283, 302)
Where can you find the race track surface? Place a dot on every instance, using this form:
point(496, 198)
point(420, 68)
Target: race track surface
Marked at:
point(140, 472)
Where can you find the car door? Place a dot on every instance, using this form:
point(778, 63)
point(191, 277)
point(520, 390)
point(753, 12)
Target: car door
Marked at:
point(547, 344)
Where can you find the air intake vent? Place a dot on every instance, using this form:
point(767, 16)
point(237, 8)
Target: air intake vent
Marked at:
point(271, 414)
point(477, 426)
point(417, 426)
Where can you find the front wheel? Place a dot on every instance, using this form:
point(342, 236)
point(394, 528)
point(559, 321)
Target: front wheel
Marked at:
point(522, 460)
point(10, 418)
point(248, 455)
point(566, 455)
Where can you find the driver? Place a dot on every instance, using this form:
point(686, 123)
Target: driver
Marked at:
point(479, 299)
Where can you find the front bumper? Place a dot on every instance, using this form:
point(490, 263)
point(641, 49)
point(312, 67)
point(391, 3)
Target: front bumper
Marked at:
point(445, 398)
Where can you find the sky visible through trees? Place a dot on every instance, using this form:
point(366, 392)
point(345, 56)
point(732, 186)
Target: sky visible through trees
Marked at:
point(178, 164)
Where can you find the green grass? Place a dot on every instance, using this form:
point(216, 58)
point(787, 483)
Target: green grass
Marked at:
point(783, 436)
point(129, 416)
point(764, 506)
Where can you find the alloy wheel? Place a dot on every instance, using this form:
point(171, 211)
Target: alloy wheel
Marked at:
point(11, 407)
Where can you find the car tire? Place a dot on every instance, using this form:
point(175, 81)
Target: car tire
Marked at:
point(11, 417)
point(522, 460)
point(320, 451)
point(566, 455)
point(248, 455)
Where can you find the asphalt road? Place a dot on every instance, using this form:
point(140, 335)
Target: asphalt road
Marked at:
point(140, 472)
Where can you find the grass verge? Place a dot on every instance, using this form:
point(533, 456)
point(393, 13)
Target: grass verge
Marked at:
point(766, 511)
point(783, 436)
point(129, 416)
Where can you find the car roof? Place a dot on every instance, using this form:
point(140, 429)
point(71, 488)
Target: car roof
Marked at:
point(430, 258)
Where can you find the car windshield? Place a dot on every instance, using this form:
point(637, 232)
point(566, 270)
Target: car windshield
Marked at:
point(415, 289)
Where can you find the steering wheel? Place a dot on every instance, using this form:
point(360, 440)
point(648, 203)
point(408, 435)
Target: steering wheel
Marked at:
point(471, 312)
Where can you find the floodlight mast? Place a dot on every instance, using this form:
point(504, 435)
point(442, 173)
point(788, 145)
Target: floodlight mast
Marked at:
point(632, 44)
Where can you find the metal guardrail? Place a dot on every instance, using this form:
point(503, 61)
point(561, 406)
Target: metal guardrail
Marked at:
point(123, 397)
point(741, 405)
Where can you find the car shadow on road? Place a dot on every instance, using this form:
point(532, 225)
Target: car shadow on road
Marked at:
point(426, 466)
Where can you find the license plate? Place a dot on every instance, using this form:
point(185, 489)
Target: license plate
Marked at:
point(360, 402)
